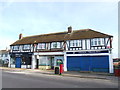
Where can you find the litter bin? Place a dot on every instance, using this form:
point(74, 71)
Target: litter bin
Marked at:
point(56, 70)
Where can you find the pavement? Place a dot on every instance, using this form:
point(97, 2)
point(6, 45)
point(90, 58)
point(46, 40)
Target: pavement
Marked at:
point(78, 74)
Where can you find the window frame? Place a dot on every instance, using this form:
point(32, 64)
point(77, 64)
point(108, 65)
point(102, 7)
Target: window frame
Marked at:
point(41, 47)
point(75, 43)
point(58, 45)
point(28, 47)
point(16, 48)
point(97, 42)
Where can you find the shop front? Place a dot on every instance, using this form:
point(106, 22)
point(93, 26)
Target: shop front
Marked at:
point(90, 61)
point(47, 60)
point(20, 60)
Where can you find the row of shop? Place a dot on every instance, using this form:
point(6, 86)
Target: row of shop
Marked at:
point(95, 61)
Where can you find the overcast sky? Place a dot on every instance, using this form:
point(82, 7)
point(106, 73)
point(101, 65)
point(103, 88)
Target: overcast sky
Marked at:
point(33, 18)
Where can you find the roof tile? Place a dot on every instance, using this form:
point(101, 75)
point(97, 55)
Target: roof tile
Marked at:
point(62, 36)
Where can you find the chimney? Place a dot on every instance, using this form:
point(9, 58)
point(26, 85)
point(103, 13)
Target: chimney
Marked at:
point(69, 29)
point(20, 36)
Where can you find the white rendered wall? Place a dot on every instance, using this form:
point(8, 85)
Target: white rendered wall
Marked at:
point(33, 62)
point(111, 68)
point(65, 61)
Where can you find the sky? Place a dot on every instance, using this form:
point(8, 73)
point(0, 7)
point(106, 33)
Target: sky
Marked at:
point(34, 18)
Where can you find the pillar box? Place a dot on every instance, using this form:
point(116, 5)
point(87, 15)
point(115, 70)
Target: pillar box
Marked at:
point(61, 68)
point(60, 62)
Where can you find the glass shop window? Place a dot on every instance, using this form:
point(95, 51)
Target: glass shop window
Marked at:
point(26, 60)
point(12, 61)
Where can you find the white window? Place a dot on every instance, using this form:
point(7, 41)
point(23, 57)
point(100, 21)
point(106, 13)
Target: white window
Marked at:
point(26, 47)
point(41, 46)
point(16, 48)
point(75, 43)
point(97, 41)
point(55, 45)
point(102, 41)
point(6, 55)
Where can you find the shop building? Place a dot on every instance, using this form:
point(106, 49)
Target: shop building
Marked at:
point(79, 50)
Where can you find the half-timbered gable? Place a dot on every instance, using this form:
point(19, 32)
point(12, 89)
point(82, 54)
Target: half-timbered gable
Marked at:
point(88, 44)
point(85, 39)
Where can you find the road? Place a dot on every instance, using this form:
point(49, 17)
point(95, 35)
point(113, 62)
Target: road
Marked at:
point(26, 80)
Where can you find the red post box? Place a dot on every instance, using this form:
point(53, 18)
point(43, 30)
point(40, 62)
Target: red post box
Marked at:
point(61, 69)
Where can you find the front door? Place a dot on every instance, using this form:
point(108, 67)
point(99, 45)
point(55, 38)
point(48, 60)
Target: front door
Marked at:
point(37, 63)
point(18, 62)
point(52, 62)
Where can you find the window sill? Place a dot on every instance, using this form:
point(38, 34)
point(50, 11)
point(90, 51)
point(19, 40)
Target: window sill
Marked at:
point(75, 47)
point(98, 46)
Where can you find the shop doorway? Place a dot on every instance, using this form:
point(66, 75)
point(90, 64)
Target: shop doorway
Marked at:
point(37, 63)
point(18, 62)
point(52, 62)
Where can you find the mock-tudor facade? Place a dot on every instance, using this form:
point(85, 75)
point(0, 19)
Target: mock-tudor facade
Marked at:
point(80, 50)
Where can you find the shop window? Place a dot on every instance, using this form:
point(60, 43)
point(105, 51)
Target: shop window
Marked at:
point(42, 62)
point(12, 61)
point(26, 60)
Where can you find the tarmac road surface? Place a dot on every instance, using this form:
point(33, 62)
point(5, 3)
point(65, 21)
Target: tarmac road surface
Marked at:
point(26, 80)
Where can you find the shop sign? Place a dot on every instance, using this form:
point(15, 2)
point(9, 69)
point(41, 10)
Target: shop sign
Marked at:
point(88, 52)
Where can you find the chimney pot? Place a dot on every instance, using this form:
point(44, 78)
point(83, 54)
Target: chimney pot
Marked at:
point(20, 36)
point(69, 29)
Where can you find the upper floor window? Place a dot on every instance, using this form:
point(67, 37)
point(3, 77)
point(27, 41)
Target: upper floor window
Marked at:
point(75, 43)
point(55, 45)
point(15, 47)
point(6, 55)
point(26, 47)
point(41, 46)
point(97, 41)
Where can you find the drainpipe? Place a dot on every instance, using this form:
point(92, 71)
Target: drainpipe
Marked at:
point(110, 42)
point(65, 61)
